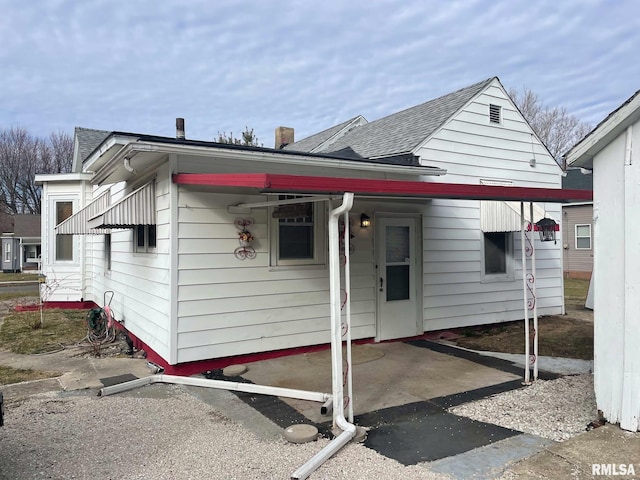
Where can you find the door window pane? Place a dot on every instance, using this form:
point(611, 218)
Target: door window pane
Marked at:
point(397, 282)
point(397, 244)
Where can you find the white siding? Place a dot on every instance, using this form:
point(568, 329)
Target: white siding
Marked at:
point(471, 148)
point(228, 306)
point(140, 282)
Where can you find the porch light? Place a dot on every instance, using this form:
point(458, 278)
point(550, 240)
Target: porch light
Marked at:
point(547, 228)
point(365, 221)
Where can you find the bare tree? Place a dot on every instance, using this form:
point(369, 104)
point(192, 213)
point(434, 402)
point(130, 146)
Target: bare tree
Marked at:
point(555, 126)
point(248, 138)
point(22, 156)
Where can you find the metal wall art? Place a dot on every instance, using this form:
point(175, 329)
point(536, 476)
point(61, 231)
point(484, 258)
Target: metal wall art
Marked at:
point(245, 237)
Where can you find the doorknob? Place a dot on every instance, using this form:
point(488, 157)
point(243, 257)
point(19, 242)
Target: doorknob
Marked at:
point(381, 284)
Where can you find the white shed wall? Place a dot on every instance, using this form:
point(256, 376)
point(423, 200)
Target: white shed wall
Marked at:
point(616, 184)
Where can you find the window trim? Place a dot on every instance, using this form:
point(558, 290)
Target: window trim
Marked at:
point(576, 237)
point(107, 252)
point(319, 258)
point(509, 274)
point(145, 247)
point(58, 236)
point(7, 251)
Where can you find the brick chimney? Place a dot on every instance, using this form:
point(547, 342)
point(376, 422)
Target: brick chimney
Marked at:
point(284, 136)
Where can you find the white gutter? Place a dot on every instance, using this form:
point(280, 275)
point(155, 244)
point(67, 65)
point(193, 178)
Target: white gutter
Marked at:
point(348, 429)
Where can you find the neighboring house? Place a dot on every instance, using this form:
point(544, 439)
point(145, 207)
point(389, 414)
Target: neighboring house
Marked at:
point(612, 151)
point(20, 243)
point(577, 228)
point(162, 223)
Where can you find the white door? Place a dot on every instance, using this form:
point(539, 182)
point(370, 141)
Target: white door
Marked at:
point(397, 269)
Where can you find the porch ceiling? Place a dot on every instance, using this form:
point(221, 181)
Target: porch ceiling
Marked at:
point(278, 183)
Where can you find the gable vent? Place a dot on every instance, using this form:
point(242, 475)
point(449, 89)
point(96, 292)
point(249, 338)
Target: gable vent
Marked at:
point(494, 113)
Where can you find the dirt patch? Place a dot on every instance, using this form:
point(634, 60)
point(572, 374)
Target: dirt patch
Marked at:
point(568, 336)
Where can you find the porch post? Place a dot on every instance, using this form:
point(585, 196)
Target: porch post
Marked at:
point(535, 300)
point(523, 221)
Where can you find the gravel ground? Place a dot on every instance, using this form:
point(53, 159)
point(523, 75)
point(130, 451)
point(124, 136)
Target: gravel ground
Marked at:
point(554, 409)
point(179, 437)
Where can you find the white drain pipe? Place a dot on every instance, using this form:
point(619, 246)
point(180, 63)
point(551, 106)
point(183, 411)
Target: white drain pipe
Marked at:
point(221, 384)
point(348, 429)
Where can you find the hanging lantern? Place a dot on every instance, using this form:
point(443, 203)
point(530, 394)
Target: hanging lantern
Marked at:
point(547, 228)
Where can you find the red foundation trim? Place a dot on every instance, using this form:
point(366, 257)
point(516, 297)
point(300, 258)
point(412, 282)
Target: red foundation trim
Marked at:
point(85, 305)
point(192, 368)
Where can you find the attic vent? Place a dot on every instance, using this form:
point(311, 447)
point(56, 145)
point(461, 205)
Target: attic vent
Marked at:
point(494, 113)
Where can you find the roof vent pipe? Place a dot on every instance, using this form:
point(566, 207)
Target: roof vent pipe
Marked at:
point(180, 128)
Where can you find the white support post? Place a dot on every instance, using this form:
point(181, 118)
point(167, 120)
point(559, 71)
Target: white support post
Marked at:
point(534, 359)
point(523, 239)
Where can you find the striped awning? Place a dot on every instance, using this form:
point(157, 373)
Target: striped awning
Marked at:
point(503, 216)
point(78, 223)
point(137, 208)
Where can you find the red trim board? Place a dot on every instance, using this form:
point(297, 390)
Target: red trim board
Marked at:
point(274, 183)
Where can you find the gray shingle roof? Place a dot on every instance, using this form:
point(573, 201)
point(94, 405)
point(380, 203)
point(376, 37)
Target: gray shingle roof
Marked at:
point(26, 225)
point(88, 140)
point(403, 131)
point(575, 179)
point(309, 143)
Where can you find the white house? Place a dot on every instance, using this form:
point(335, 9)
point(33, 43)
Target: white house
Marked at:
point(157, 221)
point(612, 151)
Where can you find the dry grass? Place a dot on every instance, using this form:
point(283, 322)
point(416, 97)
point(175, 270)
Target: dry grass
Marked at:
point(18, 277)
point(22, 332)
point(559, 337)
point(10, 375)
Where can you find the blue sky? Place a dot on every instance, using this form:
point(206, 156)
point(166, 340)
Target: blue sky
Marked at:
point(136, 65)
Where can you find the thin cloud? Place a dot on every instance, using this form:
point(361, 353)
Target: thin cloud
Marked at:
point(135, 66)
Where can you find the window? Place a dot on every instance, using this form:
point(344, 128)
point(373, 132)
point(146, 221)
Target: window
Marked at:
point(583, 237)
point(64, 243)
point(107, 251)
point(498, 254)
point(297, 236)
point(494, 113)
point(144, 238)
point(7, 252)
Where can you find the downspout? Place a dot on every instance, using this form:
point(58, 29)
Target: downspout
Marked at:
point(348, 429)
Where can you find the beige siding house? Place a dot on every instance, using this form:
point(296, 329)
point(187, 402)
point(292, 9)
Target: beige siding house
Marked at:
point(577, 227)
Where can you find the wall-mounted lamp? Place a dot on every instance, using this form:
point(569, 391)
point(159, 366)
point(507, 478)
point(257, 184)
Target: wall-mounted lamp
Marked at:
point(365, 221)
point(547, 228)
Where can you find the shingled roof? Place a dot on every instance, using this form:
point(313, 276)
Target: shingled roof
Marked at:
point(310, 144)
point(399, 133)
point(88, 140)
